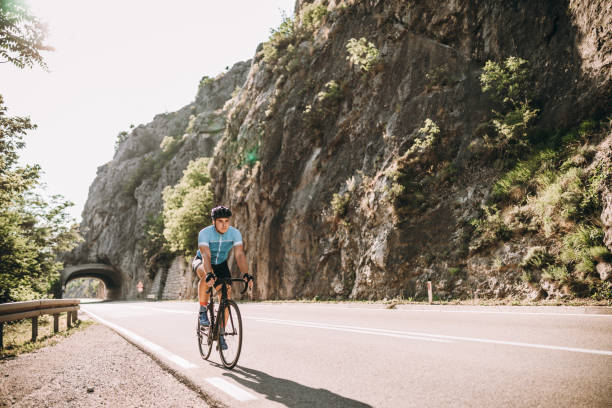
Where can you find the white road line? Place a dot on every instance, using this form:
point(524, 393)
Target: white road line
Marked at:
point(449, 311)
point(231, 389)
point(152, 347)
point(426, 336)
point(351, 329)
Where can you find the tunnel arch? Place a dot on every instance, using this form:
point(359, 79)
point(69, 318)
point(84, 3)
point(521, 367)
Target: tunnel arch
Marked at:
point(110, 276)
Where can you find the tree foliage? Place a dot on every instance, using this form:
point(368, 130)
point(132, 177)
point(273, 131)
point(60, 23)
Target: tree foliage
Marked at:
point(33, 230)
point(22, 35)
point(510, 84)
point(187, 207)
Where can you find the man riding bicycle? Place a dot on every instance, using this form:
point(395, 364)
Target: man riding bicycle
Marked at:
point(210, 263)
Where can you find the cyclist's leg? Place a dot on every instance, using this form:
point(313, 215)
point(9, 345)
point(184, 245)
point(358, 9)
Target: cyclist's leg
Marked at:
point(203, 294)
point(198, 268)
point(222, 272)
point(229, 296)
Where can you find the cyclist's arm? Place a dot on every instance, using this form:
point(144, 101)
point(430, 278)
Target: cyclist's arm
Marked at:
point(241, 259)
point(205, 251)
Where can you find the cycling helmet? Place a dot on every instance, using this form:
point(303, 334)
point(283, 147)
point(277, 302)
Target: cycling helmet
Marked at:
point(220, 212)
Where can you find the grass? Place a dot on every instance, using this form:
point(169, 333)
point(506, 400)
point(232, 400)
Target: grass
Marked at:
point(18, 335)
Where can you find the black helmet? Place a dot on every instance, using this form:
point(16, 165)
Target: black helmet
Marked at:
point(220, 212)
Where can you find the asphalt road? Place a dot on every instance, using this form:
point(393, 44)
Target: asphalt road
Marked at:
point(346, 355)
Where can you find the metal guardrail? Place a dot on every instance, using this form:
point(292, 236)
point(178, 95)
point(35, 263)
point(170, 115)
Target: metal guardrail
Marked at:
point(32, 309)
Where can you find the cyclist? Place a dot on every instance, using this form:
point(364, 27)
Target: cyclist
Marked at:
point(210, 263)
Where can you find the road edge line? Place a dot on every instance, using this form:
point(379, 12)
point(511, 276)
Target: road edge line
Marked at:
point(183, 379)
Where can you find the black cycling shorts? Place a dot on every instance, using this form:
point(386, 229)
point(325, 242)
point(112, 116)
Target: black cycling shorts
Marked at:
point(221, 271)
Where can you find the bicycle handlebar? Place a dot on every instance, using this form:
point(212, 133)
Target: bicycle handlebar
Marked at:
point(226, 280)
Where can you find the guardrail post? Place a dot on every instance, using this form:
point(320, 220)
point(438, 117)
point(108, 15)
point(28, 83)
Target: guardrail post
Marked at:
point(74, 317)
point(55, 323)
point(1, 335)
point(34, 328)
point(68, 325)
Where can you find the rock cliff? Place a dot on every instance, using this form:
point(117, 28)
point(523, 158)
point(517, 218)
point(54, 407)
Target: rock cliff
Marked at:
point(127, 191)
point(326, 160)
point(322, 126)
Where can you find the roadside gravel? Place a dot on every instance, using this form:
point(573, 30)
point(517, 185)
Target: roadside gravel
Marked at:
point(91, 368)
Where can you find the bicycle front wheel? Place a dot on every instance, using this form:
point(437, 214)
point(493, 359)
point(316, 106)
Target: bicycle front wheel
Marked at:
point(232, 334)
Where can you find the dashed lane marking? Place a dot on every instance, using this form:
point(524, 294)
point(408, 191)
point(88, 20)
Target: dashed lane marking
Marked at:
point(439, 310)
point(427, 336)
point(351, 329)
point(233, 390)
point(149, 345)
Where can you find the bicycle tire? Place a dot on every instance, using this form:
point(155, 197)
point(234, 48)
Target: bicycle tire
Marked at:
point(232, 334)
point(205, 340)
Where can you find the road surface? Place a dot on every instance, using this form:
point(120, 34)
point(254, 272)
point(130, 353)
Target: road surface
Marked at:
point(352, 355)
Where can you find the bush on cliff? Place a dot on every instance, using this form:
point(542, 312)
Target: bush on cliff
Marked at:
point(187, 207)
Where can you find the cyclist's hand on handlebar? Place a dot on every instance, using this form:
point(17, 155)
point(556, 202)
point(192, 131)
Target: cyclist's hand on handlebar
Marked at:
point(249, 278)
point(210, 279)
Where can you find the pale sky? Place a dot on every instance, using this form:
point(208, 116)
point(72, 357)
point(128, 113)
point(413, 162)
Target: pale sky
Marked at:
point(121, 62)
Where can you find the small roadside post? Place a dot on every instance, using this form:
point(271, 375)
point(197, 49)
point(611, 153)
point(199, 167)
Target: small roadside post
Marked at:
point(429, 292)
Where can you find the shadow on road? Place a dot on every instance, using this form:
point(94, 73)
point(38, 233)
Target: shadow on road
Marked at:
point(289, 393)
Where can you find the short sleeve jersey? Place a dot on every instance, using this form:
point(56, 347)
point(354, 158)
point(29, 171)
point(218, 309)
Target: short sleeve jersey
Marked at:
point(219, 244)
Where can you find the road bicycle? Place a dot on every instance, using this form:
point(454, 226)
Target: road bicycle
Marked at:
point(231, 331)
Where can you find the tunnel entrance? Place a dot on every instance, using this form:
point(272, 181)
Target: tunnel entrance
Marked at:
point(110, 277)
point(85, 288)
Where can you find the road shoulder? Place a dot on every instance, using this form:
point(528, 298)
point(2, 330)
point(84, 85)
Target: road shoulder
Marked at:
point(91, 368)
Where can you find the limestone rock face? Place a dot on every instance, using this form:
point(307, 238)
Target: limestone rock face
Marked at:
point(309, 147)
point(302, 241)
point(127, 190)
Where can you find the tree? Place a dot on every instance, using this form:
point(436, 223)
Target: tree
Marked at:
point(13, 180)
point(33, 230)
point(22, 35)
point(187, 207)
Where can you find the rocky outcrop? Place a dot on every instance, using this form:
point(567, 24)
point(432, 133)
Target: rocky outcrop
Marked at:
point(127, 190)
point(314, 142)
point(312, 146)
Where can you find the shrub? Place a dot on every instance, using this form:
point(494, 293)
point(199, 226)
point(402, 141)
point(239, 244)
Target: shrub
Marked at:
point(339, 204)
point(522, 173)
point(536, 258)
point(187, 207)
point(362, 53)
point(279, 39)
point(312, 16)
point(601, 290)
point(528, 277)
point(577, 248)
point(600, 253)
point(489, 229)
point(510, 84)
point(332, 92)
point(425, 139)
point(121, 137)
point(167, 144)
point(439, 77)
point(205, 81)
point(561, 195)
point(556, 273)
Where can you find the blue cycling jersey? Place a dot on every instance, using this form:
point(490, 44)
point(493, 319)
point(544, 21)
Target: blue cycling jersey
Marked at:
point(219, 244)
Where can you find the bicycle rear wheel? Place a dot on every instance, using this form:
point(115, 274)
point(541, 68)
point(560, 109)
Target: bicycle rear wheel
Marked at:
point(205, 340)
point(232, 333)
